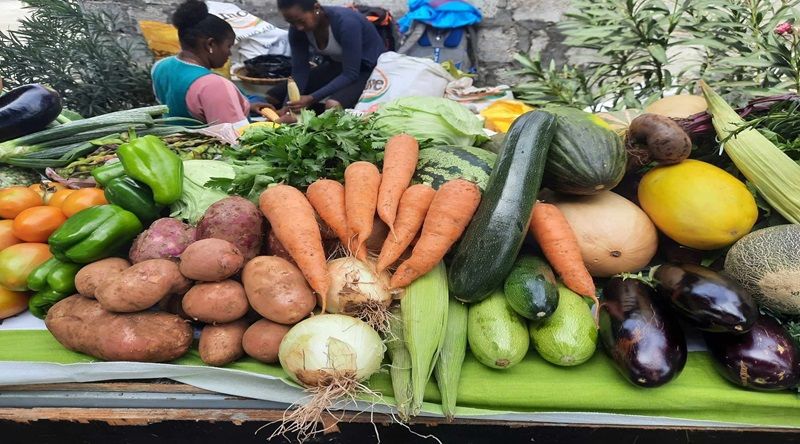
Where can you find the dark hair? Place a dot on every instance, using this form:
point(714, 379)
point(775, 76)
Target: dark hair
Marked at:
point(305, 5)
point(194, 22)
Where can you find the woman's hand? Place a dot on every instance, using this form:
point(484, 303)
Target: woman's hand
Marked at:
point(303, 102)
point(256, 108)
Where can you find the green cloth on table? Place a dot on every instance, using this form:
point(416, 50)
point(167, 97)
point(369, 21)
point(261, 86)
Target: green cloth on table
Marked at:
point(534, 385)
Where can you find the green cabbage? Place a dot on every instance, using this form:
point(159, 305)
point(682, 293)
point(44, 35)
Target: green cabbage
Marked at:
point(441, 121)
point(196, 198)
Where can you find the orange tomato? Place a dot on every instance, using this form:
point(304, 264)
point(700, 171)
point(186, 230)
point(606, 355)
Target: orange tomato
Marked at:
point(7, 237)
point(45, 190)
point(15, 199)
point(83, 199)
point(18, 261)
point(38, 223)
point(57, 198)
point(12, 302)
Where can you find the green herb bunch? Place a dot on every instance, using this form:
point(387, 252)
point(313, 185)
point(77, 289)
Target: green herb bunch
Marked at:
point(319, 147)
point(80, 55)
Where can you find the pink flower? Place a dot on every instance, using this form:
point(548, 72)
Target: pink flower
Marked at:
point(783, 28)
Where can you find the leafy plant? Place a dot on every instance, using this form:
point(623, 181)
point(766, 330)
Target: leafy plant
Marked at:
point(79, 54)
point(321, 147)
point(730, 43)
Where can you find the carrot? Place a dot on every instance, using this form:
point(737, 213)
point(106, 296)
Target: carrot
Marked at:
point(411, 213)
point(361, 183)
point(450, 212)
point(295, 225)
point(560, 246)
point(327, 198)
point(399, 163)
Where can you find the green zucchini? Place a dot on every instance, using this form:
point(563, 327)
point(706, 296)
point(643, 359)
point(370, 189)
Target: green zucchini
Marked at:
point(531, 288)
point(491, 242)
point(497, 335)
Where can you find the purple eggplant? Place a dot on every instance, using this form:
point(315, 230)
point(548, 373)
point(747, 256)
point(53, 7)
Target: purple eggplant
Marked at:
point(706, 299)
point(26, 110)
point(640, 333)
point(764, 358)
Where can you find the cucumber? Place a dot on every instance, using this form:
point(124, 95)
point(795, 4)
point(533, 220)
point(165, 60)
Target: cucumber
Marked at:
point(497, 335)
point(484, 257)
point(569, 336)
point(531, 288)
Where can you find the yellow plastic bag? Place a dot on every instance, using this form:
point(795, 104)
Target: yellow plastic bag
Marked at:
point(162, 39)
point(501, 114)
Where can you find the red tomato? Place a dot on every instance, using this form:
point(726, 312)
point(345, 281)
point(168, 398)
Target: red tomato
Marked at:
point(12, 303)
point(15, 199)
point(38, 223)
point(7, 237)
point(83, 199)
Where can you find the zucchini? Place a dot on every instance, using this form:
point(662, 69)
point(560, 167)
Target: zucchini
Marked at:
point(497, 335)
point(491, 242)
point(531, 288)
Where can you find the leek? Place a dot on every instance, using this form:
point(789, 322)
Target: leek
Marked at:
point(774, 174)
point(424, 310)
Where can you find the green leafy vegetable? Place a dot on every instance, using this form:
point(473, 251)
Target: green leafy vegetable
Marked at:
point(440, 121)
point(320, 147)
point(196, 198)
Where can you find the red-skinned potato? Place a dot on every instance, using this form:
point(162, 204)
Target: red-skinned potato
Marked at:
point(140, 286)
point(236, 220)
point(81, 324)
point(216, 302)
point(221, 344)
point(277, 290)
point(211, 260)
point(93, 275)
point(263, 339)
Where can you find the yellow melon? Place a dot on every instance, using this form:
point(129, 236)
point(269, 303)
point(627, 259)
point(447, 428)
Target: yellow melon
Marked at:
point(678, 107)
point(697, 204)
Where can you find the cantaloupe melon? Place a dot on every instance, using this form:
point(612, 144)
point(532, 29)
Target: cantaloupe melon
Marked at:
point(766, 262)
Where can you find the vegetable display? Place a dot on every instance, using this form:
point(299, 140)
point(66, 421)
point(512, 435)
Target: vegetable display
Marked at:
point(343, 250)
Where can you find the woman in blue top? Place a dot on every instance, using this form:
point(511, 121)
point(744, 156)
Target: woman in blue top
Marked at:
point(350, 44)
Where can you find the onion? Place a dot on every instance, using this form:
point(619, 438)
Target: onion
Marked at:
point(330, 355)
point(358, 290)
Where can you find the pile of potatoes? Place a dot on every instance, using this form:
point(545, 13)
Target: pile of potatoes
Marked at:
point(178, 277)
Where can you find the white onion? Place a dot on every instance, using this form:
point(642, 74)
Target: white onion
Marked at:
point(330, 346)
point(358, 290)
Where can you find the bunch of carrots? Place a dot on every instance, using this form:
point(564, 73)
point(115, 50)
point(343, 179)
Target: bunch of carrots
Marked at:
point(438, 217)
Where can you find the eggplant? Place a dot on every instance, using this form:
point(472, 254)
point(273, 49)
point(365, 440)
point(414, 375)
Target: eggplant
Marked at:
point(706, 299)
point(640, 333)
point(27, 109)
point(764, 358)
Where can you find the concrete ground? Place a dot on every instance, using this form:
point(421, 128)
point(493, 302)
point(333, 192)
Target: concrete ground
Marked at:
point(10, 13)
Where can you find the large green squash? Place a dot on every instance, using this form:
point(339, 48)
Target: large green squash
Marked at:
point(586, 156)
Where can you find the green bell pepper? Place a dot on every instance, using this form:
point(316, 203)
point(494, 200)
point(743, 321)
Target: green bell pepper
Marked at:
point(134, 197)
point(53, 280)
point(149, 160)
point(104, 174)
point(94, 233)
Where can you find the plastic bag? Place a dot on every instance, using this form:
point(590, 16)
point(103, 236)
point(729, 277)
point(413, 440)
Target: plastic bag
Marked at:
point(397, 75)
point(254, 36)
point(502, 113)
point(269, 67)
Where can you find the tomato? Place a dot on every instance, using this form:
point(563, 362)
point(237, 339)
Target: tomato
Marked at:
point(83, 199)
point(45, 190)
point(57, 198)
point(38, 223)
point(15, 199)
point(7, 237)
point(17, 262)
point(12, 303)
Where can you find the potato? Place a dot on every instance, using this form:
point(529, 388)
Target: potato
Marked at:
point(274, 247)
point(91, 276)
point(222, 344)
point(211, 260)
point(262, 340)
point(140, 286)
point(216, 302)
point(82, 325)
point(166, 238)
point(277, 290)
point(236, 220)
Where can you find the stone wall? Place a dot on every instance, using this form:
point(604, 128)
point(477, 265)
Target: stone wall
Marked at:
point(508, 27)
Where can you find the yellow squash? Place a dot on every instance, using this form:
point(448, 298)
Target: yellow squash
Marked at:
point(697, 204)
